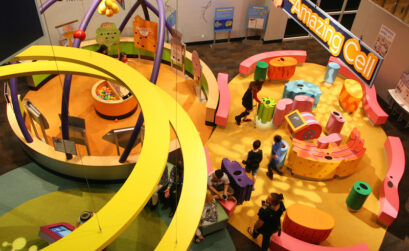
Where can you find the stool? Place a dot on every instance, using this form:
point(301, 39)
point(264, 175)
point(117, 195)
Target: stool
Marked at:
point(335, 123)
point(351, 95)
point(228, 206)
point(261, 70)
point(265, 110)
point(359, 192)
point(282, 108)
point(282, 68)
point(332, 71)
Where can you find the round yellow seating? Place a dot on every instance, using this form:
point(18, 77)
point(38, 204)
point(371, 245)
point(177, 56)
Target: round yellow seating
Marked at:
point(307, 223)
point(351, 95)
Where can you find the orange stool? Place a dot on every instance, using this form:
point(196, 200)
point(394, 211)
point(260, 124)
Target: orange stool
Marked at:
point(281, 68)
point(351, 95)
point(307, 223)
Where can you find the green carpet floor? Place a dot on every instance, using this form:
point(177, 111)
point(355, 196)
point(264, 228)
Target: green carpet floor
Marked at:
point(31, 196)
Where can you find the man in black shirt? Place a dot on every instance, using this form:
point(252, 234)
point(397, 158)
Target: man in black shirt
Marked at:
point(268, 221)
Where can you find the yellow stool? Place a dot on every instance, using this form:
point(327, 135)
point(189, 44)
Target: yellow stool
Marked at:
point(351, 95)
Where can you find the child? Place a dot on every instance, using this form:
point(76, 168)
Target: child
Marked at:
point(123, 57)
point(247, 100)
point(275, 156)
point(254, 158)
point(85, 216)
point(103, 49)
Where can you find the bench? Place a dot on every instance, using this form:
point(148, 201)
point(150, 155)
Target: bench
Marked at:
point(221, 222)
point(388, 192)
point(370, 102)
point(249, 64)
point(286, 242)
point(224, 99)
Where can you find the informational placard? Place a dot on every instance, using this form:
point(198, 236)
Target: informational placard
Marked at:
point(108, 34)
point(172, 19)
point(177, 51)
point(66, 32)
point(340, 42)
point(403, 87)
point(145, 34)
point(384, 40)
point(256, 18)
point(223, 19)
point(65, 146)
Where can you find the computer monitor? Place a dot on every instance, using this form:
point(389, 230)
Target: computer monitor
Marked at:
point(61, 230)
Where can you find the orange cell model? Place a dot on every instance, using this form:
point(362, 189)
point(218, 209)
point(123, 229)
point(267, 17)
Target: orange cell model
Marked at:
point(282, 68)
point(351, 95)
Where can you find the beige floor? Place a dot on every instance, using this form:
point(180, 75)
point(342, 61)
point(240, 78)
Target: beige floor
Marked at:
point(48, 100)
point(235, 141)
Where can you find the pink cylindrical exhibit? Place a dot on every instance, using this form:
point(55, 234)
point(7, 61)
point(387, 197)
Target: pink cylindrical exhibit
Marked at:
point(303, 103)
point(335, 123)
point(283, 107)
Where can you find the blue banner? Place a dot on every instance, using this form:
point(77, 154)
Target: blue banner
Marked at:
point(340, 42)
point(256, 18)
point(223, 19)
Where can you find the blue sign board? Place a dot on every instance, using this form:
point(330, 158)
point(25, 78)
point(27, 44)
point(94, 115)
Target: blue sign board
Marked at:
point(223, 19)
point(340, 42)
point(256, 18)
point(172, 19)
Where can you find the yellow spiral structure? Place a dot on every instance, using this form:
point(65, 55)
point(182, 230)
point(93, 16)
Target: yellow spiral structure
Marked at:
point(160, 112)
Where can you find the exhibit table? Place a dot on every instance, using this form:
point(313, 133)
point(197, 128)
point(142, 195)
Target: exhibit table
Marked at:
point(307, 223)
point(112, 101)
point(399, 106)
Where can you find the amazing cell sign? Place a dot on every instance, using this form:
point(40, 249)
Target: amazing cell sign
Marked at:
point(359, 57)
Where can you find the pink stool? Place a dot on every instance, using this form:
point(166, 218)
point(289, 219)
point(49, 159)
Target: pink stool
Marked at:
point(228, 206)
point(283, 107)
point(324, 141)
point(335, 123)
point(303, 103)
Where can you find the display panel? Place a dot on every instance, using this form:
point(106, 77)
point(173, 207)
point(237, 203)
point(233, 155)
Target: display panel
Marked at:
point(22, 27)
point(61, 230)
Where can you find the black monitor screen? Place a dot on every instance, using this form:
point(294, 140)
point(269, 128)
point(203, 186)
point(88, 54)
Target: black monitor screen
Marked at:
point(21, 27)
point(61, 230)
point(295, 120)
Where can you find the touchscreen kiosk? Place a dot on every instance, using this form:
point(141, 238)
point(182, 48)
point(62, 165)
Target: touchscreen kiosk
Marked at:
point(53, 232)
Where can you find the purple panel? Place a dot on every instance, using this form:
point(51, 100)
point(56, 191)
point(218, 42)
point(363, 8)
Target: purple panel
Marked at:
point(240, 182)
point(17, 111)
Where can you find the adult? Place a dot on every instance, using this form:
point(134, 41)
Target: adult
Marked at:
point(209, 215)
point(275, 156)
point(247, 100)
point(254, 158)
point(219, 185)
point(268, 221)
point(174, 188)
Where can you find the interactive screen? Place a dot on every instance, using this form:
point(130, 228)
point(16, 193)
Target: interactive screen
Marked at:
point(21, 27)
point(61, 230)
point(295, 120)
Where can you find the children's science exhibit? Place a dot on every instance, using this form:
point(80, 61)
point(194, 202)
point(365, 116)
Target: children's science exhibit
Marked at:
point(176, 125)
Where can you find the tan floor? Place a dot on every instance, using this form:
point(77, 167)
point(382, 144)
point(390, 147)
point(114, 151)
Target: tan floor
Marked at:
point(235, 141)
point(48, 100)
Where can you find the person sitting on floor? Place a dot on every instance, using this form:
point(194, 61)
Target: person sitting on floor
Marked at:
point(219, 185)
point(254, 158)
point(275, 156)
point(163, 181)
point(209, 215)
point(174, 189)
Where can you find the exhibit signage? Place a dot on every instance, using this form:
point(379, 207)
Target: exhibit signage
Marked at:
point(223, 19)
point(256, 17)
point(357, 56)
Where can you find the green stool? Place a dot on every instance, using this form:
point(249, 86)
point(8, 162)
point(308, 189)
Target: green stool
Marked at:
point(261, 70)
point(265, 110)
point(359, 192)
